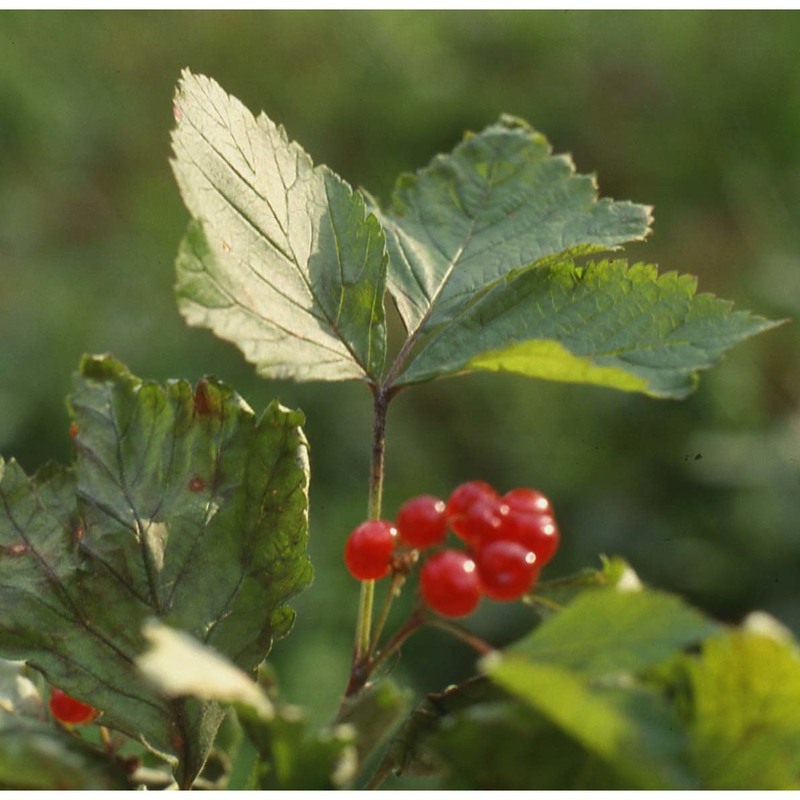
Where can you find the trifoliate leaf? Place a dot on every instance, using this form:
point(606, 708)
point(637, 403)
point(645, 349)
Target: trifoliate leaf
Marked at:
point(181, 506)
point(281, 257)
point(604, 323)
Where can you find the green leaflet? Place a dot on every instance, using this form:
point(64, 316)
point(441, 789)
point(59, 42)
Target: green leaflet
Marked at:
point(180, 506)
point(606, 324)
point(499, 202)
point(281, 257)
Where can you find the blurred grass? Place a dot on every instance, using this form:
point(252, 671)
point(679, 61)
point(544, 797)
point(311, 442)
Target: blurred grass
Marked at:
point(697, 113)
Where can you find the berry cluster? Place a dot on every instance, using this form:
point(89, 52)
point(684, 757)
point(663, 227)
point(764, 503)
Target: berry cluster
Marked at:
point(508, 539)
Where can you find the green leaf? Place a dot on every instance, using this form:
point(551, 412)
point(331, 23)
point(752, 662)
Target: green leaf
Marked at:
point(507, 746)
point(580, 670)
point(605, 324)
point(744, 691)
point(281, 257)
point(477, 736)
point(631, 727)
point(608, 630)
point(499, 202)
point(181, 507)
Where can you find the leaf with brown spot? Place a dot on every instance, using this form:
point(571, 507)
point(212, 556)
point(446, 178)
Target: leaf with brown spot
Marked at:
point(89, 552)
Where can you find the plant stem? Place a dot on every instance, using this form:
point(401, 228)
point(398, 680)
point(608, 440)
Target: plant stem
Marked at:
point(397, 581)
point(366, 601)
point(475, 642)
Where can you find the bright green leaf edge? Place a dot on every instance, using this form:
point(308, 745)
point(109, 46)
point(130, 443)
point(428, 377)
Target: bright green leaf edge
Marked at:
point(605, 323)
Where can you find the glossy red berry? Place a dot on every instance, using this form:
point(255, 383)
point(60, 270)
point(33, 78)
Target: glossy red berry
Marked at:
point(463, 499)
point(482, 522)
point(529, 500)
point(464, 495)
point(70, 711)
point(449, 583)
point(422, 521)
point(368, 551)
point(506, 570)
point(535, 532)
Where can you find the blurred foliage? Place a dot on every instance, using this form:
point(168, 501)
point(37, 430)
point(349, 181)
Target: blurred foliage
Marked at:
point(697, 113)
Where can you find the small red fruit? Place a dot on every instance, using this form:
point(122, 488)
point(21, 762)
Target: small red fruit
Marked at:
point(449, 583)
point(369, 548)
point(422, 521)
point(482, 522)
point(462, 500)
point(70, 711)
point(535, 532)
point(529, 500)
point(506, 570)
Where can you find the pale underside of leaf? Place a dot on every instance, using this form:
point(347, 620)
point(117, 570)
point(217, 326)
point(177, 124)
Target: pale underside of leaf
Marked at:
point(282, 257)
point(604, 323)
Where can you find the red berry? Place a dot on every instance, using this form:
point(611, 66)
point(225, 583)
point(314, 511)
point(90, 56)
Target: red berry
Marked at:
point(463, 498)
point(70, 711)
point(449, 583)
point(421, 521)
point(535, 532)
point(529, 500)
point(368, 552)
point(506, 570)
point(466, 494)
point(482, 522)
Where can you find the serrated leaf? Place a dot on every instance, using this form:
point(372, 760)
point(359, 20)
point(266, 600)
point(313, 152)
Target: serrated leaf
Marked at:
point(744, 691)
point(607, 631)
point(282, 258)
point(180, 506)
point(499, 202)
point(604, 323)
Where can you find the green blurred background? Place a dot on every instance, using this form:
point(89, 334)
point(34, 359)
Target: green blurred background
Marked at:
point(696, 113)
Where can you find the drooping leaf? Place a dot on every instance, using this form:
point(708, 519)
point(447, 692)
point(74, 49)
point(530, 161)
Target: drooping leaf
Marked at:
point(281, 257)
point(499, 202)
point(604, 323)
point(180, 506)
point(744, 695)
